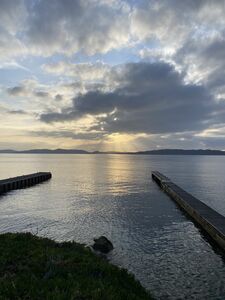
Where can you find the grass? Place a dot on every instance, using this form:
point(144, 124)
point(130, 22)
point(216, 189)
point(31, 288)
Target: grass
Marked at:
point(38, 268)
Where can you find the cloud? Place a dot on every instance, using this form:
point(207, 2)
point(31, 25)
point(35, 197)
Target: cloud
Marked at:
point(41, 94)
point(58, 97)
point(69, 134)
point(5, 110)
point(62, 26)
point(23, 91)
point(204, 60)
point(89, 27)
point(12, 16)
point(17, 112)
point(172, 21)
point(183, 33)
point(34, 96)
point(12, 65)
point(149, 97)
point(70, 26)
point(80, 71)
point(176, 87)
point(27, 89)
point(17, 91)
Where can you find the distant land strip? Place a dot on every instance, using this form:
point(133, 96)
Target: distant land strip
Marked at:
point(149, 152)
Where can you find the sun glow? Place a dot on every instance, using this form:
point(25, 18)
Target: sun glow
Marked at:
point(122, 142)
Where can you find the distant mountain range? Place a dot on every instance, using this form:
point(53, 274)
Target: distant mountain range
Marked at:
point(149, 152)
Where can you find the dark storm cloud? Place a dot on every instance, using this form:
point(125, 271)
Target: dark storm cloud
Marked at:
point(150, 97)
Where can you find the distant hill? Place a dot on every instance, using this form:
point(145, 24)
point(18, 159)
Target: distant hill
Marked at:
point(149, 152)
point(182, 152)
point(47, 151)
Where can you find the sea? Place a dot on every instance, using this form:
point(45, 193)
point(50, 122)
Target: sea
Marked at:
point(114, 195)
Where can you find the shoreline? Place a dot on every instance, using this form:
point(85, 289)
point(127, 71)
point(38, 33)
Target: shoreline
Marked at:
point(32, 267)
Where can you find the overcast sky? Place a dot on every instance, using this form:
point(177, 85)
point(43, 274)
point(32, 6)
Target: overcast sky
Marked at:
point(112, 74)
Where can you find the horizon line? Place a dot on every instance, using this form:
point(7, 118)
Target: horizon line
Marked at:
point(82, 151)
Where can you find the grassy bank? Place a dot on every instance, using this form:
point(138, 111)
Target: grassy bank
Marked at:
point(39, 268)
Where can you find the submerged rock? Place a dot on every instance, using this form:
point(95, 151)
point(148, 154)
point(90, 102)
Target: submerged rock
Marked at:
point(102, 244)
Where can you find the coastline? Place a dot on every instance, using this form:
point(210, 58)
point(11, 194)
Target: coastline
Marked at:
point(32, 267)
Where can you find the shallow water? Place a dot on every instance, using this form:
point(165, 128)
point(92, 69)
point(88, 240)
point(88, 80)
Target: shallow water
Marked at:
point(113, 195)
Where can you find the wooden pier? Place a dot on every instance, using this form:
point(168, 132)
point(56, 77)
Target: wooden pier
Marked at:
point(208, 219)
point(24, 181)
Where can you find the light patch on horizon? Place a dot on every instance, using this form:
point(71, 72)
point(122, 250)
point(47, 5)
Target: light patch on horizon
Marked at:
point(122, 142)
point(112, 75)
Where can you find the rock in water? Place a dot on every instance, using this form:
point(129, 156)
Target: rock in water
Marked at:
point(102, 244)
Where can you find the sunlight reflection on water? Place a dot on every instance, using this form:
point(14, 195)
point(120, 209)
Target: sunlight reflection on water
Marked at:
point(91, 195)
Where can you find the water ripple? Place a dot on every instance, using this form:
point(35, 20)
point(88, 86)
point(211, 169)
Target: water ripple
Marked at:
point(91, 195)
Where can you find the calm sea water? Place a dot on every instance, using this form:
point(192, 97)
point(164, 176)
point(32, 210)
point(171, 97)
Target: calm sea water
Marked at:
point(113, 195)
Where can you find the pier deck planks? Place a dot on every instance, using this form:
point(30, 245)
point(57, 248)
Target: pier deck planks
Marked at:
point(23, 181)
point(208, 219)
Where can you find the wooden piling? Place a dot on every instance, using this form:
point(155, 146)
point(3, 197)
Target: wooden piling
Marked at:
point(23, 181)
point(208, 219)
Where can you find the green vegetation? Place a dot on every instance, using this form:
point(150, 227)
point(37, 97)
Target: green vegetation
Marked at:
point(39, 268)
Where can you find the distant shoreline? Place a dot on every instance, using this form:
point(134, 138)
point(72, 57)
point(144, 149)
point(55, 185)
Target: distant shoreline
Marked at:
point(148, 152)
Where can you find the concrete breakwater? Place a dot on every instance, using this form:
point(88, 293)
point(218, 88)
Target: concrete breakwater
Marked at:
point(24, 181)
point(208, 219)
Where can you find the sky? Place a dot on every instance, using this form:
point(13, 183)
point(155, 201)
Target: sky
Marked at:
point(112, 75)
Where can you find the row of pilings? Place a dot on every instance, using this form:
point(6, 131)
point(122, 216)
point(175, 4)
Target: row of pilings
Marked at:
point(24, 181)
